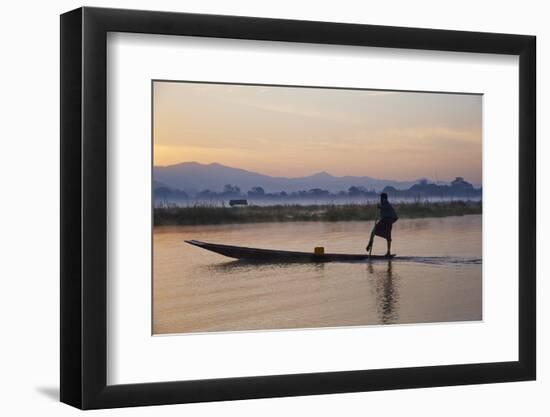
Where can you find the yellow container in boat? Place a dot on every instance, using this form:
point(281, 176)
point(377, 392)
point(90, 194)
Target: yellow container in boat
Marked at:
point(319, 250)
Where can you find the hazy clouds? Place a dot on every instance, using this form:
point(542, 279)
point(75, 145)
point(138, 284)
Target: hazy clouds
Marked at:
point(299, 131)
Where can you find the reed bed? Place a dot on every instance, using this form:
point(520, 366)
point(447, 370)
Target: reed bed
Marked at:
point(203, 214)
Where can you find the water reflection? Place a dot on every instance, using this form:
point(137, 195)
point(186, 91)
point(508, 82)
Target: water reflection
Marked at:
point(384, 282)
point(437, 277)
point(386, 292)
point(239, 266)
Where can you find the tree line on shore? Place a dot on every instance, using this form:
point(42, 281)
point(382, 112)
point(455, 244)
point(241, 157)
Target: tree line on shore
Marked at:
point(423, 189)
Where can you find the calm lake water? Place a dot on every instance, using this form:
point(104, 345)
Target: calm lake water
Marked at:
point(199, 291)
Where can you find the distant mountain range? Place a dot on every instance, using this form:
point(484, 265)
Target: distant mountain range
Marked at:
point(192, 177)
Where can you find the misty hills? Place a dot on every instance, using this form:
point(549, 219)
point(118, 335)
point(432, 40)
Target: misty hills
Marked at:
point(192, 177)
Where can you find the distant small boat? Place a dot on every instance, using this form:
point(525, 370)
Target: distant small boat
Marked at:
point(284, 256)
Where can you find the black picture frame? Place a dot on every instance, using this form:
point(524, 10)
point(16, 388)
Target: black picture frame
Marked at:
point(84, 207)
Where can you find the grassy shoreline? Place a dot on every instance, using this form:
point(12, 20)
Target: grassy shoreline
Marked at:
point(208, 215)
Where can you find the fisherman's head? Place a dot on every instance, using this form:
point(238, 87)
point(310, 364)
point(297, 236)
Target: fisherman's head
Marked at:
point(383, 197)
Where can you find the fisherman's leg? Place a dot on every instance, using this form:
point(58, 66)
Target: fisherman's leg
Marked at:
point(389, 247)
point(369, 245)
point(371, 242)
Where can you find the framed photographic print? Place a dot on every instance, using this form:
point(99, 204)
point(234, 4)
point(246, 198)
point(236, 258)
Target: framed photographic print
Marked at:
point(257, 207)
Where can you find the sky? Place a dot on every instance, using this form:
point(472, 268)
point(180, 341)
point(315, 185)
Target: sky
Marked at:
point(292, 132)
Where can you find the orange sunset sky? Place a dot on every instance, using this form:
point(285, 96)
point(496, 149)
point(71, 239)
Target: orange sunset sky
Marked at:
point(291, 132)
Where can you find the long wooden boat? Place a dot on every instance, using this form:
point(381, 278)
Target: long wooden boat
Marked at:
point(271, 255)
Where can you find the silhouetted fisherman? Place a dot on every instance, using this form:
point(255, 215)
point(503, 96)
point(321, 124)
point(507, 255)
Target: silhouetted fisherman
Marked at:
point(383, 228)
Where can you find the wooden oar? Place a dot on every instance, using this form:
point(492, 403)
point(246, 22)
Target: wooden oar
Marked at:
point(371, 240)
